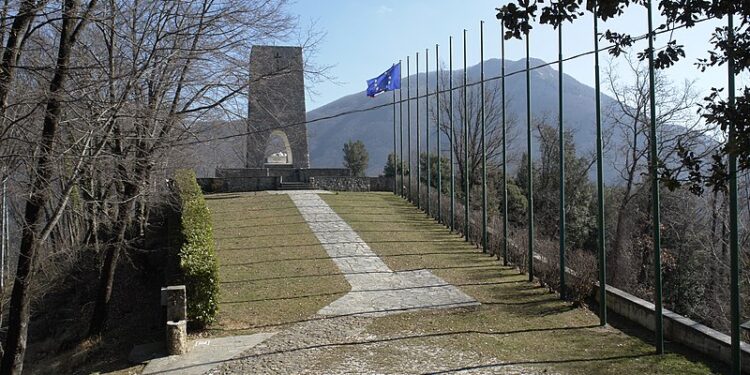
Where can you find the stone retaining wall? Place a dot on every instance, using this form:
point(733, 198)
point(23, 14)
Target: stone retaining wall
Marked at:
point(381, 183)
point(237, 184)
point(341, 183)
point(254, 172)
point(676, 327)
point(287, 172)
point(232, 183)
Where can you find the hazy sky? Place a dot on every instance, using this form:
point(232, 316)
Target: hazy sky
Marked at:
point(365, 37)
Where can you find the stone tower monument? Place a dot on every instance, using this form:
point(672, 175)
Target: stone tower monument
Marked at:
point(276, 109)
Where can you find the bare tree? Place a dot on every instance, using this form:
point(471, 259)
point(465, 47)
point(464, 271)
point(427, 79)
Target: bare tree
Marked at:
point(197, 53)
point(493, 111)
point(129, 81)
point(74, 20)
point(677, 124)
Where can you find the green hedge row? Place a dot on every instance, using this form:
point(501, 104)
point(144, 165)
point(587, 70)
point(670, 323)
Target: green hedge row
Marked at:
point(197, 253)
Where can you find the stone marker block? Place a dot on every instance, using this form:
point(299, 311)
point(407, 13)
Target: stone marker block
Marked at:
point(177, 337)
point(175, 298)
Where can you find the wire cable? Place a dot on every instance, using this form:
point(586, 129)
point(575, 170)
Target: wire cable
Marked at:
point(495, 78)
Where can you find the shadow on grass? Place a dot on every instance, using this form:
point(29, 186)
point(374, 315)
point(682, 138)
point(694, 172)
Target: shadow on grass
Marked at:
point(226, 196)
point(261, 225)
point(255, 209)
point(430, 225)
point(431, 286)
point(547, 362)
point(317, 243)
point(436, 253)
point(330, 274)
point(631, 329)
point(269, 299)
point(254, 217)
point(210, 197)
point(331, 231)
point(329, 317)
point(227, 222)
point(272, 247)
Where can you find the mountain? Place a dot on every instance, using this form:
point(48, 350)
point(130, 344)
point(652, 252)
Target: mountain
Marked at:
point(375, 127)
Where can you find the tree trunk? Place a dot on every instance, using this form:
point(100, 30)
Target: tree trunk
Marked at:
point(107, 274)
point(617, 248)
point(21, 21)
point(107, 277)
point(18, 315)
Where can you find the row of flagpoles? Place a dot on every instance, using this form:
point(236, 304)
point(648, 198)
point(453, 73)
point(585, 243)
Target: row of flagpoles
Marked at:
point(391, 81)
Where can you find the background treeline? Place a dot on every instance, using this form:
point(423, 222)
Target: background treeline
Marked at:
point(94, 96)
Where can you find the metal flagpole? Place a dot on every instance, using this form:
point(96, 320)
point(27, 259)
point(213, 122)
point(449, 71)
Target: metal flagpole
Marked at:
point(529, 165)
point(659, 328)
point(401, 134)
point(562, 157)
point(419, 157)
point(408, 123)
point(437, 128)
point(484, 148)
point(734, 250)
point(427, 124)
point(466, 149)
point(453, 134)
point(395, 156)
point(505, 159)
point(600, 180)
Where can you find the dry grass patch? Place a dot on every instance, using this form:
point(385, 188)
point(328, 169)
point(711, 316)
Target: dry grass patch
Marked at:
point(272, 269)
point(519, 324)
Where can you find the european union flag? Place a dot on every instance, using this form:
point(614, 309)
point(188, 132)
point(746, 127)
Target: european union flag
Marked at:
point(389, 80)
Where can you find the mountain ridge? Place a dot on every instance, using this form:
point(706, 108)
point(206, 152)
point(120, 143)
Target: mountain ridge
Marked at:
point(375, 127)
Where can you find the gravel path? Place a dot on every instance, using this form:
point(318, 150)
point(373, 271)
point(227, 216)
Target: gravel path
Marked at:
point(341, 345)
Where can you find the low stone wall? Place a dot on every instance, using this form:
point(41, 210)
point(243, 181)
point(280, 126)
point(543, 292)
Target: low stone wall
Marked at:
point(676, 327)
point(237, 184)
point(287, 172)
point(305, 174)
point(256, 172)
point(231, 180)
point(341, 183)
point(381, 183)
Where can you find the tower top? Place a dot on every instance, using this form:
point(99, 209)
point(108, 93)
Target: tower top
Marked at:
point(277, 133)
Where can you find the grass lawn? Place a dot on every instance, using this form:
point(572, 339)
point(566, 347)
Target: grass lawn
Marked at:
point(518, 323)
point(272, 269)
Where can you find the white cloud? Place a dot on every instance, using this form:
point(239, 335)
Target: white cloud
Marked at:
point(384, 9)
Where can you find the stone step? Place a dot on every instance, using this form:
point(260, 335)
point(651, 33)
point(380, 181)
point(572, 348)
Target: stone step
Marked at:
point(295, 186)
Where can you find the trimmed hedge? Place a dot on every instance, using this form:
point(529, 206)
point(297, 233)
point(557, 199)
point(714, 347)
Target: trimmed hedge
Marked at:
point(197, 253)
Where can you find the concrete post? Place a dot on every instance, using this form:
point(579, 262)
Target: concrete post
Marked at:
point(177, 337)
point(175, 299)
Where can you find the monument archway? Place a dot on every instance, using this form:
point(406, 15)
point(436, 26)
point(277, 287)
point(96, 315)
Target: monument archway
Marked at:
point(276, 108)
point(278, 149)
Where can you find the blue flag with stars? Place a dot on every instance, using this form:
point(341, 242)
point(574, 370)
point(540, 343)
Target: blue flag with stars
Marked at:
point(389, 80)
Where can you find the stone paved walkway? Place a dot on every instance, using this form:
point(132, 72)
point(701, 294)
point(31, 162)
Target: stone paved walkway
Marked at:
point(376, 289)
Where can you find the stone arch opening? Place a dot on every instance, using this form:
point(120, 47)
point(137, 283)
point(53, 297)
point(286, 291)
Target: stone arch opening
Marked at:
point(278, 151)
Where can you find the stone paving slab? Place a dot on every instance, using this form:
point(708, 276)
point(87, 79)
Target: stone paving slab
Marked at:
point(376, 289)
point(204, 355)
